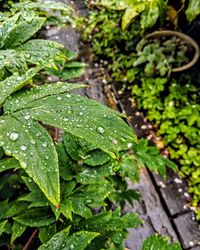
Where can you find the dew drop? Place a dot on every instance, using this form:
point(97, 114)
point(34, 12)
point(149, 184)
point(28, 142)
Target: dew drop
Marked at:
point(27, 117)
point(59, 98)
point(13, 136)
point(100, 130)
point(23, 148)
point(44, 144)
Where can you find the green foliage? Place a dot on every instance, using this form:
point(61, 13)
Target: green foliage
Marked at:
point(193, 10)
point(149, 11)
point(159, 57)
point(158, 242)
point(53, 188)
point(144, 66)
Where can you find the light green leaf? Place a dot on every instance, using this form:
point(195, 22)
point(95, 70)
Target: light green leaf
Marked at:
point(155, 242)
point(62, 240)
point(103, 129)
point(150, 15)
point(23, 31)
point(193, 10)
point(15, 82)
point(47, 4)
point(35, 217)
point(8, 163)
point(31, 144)
point(2, 226)
point(130, 13)
point(17, 230)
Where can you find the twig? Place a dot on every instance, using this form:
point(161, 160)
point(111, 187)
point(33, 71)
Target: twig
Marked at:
point(30, 239)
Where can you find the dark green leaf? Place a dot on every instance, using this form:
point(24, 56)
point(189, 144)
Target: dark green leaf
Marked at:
point(17, 230)
point(62, 240)
point(35, 217)
point(2, 226)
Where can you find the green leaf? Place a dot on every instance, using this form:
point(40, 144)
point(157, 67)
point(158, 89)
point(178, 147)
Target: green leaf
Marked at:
point(70, 73)
point(45, 233)
point(15, 82)
point(150, 14)
point(35, 217)
point(21, 99)
point(23, 31)
point(6, 27)
point(8, 163)
point(62, 240)
point(103, 129)
point(193, 10)
point(79, 149)
point(110, 221)
point(92, 175)
point(30, 143)
point(38, 51)
point(156, 242)
point(130, 13)
point(2, 226)
point(47, 4)
point(128, 167)
point(17, 230)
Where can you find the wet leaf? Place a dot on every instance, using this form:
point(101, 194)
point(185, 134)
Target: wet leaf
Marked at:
point(155, 242)
point(35, 217)
point(62, 240)
point(30, 143)
point(15, 82)
point(17, 230)
point(47, 4)
point(16, 37)
point(104, 129)
point(9, 163)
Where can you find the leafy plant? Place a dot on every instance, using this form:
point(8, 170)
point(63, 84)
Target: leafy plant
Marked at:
point(149, 11)
point(158, 242)
point(144, 68)
point(51, 189)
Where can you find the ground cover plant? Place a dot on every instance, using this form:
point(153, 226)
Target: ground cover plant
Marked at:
point(144, 67)
point(68, 194)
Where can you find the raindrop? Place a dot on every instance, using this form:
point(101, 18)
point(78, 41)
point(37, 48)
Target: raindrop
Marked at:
point(23, 147)
point(27, 117)
point(44, 144)
point(59, 98)
point(100, 130)
point(14, 136)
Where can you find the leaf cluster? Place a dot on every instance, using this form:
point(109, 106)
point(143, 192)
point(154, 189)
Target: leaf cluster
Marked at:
point(145, 68)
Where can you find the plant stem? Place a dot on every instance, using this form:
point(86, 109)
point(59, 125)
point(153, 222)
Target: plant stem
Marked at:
point(30, 239)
